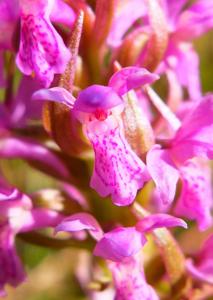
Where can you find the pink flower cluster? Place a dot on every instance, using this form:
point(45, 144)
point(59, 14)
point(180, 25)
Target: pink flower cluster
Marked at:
point(84, 98)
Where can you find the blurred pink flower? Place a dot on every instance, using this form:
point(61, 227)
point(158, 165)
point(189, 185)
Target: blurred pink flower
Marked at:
point(167, 164)
point(201, 268)
point(120, 247)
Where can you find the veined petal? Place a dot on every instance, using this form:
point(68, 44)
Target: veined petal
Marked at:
point(56, 94)
point(163, 172)
point(196, 201)
point(41, 50)
point(194, 138)
point(157, 221)
point(130, 282)
point(120, 243)
point(35, 7)
point(131, 78)
point(118, 170)
point(79, 222)
point(11, 270)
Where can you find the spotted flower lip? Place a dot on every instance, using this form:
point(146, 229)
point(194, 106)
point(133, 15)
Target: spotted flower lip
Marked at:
point(196, 198)
point(131, 284)
point(118, 171)
point(43, 52)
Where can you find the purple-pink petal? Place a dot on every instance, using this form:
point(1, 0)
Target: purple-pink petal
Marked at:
point(62, 13)
point(163, 172)
point(22, 109)
point(11, 197)
point(172, 10)
point(120, 243)
point(55, 94)
point(196, 20)
point(7, 193)
point(9, 14)
point(97, 97)
point(184, 61)
point(157, 221)
point(131, 78)
point(203, 273)
point(127, 12)
point(130, 282)
point(202, 268)
point(39, 218)
point(75, 194)
point(194, 138)
point(11, 269)
point(118, 171)
point(79, 222)
point(42, 52)
point(196, 201)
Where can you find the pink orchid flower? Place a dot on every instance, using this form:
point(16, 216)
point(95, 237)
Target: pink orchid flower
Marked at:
point(186, 25)
point(42, 51)
point(202, 268)
point(118, 171)
point(17, 215)
point(173, 161)
point(120, 248)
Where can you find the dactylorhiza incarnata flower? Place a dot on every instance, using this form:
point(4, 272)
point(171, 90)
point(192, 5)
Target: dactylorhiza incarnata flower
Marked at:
point(118, 171)
point(42, 51)
point(121, 247)
point(185, 156)
point(18, 215)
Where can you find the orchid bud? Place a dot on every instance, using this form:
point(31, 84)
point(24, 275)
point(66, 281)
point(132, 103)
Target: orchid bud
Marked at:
point(137, 127)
